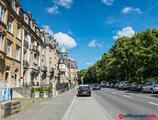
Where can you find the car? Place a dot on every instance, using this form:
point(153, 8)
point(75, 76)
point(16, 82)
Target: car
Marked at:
point(108, 84)
point(112, 85)
point(103, 84)
point(116, 85)
point(139, 87)
point(96, 86)
point(84, 90)
point(150, 86)
point(123, 85)
point(133, 86)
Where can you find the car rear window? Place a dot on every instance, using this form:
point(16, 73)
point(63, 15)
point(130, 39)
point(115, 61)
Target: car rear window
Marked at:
point(84, 87)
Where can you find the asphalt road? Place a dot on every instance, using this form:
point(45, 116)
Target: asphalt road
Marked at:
point(118, 102)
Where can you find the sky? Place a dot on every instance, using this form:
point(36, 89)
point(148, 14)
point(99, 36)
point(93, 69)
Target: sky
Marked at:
point(88, 28)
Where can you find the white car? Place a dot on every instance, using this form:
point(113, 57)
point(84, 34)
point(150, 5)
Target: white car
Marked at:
point(151, 86)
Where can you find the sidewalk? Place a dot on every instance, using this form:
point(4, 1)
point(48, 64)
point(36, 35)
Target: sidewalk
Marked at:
point(50, 110)
point(86, 108)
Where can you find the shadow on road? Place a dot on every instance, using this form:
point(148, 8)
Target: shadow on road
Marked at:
point(155, 95)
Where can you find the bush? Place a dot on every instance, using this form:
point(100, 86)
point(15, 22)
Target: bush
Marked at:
point(49, 89)
point(32, 90)
point(41, 90)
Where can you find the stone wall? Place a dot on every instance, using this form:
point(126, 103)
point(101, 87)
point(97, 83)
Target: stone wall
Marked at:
point(9, 108)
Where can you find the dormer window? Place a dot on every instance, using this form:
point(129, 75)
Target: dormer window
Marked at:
point(15, 7)
point(26, 19)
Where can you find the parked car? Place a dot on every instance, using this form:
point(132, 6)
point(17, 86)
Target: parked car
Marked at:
point(116, 85)
point(96, 86)
point(112, 85)
point(108, 84)
point(133, 86)
point(103, 84)
point(151, 86)
point(139, 87)
point(123, 85)
point(84, 90)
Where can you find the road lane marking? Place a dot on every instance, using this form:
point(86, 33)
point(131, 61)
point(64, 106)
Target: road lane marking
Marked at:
point(69, 109)
point(128, 96)
point(153, 103)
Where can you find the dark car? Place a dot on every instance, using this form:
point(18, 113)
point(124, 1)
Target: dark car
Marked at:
point(84, 90)
point(139, 87)
point(133, 86)
point(96, 86)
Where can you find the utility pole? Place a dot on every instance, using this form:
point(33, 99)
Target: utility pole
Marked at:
point(82, 80)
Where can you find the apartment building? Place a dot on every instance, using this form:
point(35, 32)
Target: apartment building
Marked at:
point(28, 55)
point(10, 42)
point(67, 68)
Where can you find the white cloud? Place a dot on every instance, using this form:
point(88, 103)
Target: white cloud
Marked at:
point(108, 2)
point(94, 44)
point(89, 63)
point(64, 3)
point(126, 31)
point(53, 10)
point(128, 10)
point(64, 39)
point(48, 29)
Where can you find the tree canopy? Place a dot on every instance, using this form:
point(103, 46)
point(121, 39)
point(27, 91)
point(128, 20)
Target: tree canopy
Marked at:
point(131, 59)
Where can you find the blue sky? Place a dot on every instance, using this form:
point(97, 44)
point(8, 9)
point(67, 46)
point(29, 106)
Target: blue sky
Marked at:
point(88, 28)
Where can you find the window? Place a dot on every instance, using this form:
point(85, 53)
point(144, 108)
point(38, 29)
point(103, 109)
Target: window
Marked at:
point(17, 52)
point(10, 25)
point(2, 13)
point(25, 55)
point(18, 32)
point(6, 77)
point(15, 80)
point(26, 19)
point(8, 47)
point(15, 7)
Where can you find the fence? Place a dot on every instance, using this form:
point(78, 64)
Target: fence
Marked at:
point(5, 92)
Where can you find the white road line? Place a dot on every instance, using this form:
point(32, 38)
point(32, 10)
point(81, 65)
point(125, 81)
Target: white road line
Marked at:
point(128, 96)
point(153, 103)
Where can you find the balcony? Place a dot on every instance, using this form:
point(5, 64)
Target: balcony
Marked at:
point(43, 68)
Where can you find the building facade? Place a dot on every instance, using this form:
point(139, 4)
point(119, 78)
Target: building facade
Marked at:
point(28, 55)
point(67, 68)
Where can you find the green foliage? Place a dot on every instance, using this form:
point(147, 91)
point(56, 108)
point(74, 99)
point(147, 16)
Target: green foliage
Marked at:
point(49, 89)
point(41, 90)
point(132, 59)
point(32, 90)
